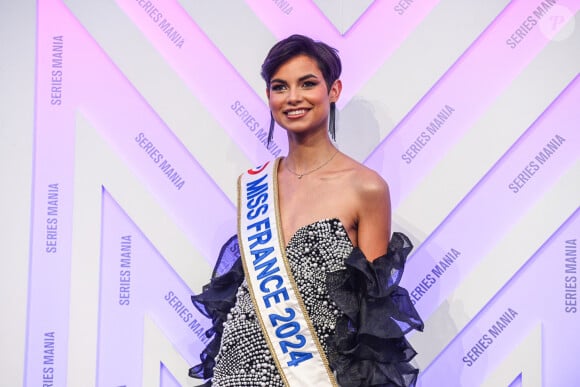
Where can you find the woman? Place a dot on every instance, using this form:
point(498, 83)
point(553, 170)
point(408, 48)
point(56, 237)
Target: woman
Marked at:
point(314, 298)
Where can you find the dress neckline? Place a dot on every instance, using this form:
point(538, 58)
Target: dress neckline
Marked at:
point(325, 220)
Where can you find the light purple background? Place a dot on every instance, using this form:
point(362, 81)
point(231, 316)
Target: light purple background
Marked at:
point(104, 90)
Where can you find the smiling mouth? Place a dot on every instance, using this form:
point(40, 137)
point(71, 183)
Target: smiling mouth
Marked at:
point(296, 113)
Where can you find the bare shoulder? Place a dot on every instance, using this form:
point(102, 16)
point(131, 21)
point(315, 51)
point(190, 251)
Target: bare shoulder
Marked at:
point(366, 182)
point(370, 200)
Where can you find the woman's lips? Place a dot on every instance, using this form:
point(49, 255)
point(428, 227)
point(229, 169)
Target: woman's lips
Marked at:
point(295, 113)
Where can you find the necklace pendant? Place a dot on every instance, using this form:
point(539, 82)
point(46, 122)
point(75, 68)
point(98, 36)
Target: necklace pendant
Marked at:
point(300, 175)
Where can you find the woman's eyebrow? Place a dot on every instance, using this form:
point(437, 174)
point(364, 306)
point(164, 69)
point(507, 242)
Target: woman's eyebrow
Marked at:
point(277, 80)
point(302, 78)
point(307, 76)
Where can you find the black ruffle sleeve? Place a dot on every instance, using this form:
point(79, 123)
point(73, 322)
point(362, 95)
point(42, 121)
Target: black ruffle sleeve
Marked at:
point(369, 347)
point(215, 301)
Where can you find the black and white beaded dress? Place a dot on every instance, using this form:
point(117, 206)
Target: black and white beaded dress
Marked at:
point(357, 309)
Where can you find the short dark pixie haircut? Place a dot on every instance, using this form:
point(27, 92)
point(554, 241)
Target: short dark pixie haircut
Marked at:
point(325, 56)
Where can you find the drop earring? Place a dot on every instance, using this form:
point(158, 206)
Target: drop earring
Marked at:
point(331, 121)
point(271, 131)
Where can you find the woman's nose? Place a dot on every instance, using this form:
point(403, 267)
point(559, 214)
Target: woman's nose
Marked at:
point(294, 94)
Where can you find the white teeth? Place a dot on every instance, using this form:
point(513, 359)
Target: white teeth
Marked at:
point(296, 112)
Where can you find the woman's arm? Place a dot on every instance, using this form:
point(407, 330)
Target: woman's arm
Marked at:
point(374, 215)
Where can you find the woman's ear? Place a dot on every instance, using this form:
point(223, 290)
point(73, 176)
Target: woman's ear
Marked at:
point(335, 90)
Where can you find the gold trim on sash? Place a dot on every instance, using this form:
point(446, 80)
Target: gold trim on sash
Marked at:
point(250, 288)
point(273, 211)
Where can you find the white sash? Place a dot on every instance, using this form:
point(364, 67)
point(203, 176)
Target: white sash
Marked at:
point(279, 307)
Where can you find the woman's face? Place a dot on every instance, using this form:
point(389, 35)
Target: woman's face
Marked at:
point(299, 98)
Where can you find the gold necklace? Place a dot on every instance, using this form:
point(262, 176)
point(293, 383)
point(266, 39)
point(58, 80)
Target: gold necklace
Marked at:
point(300, 175)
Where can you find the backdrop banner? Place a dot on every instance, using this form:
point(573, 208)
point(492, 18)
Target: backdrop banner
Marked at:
point(147, 111)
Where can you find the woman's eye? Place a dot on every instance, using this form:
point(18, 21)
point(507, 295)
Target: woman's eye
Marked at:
point(309, 84)
point(278, 87)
